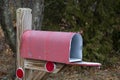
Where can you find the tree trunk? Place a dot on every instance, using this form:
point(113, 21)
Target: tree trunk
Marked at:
point(37, 7)
point(6, 24)
point(6, 18)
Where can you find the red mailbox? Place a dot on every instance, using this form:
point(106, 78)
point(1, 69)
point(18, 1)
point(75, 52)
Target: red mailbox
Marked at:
point(61, 47)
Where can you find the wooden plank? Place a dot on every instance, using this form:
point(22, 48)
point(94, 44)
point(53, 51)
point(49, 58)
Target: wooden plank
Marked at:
point(24, 22)
point(39, 65)
point(39, 76)
point(30, 75)
point(42, 75)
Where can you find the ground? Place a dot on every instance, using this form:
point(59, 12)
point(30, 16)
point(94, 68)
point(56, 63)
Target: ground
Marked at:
point(7, 68)
point(75, 73)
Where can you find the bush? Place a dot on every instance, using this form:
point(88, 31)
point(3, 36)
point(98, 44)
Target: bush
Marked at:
point(99, 21)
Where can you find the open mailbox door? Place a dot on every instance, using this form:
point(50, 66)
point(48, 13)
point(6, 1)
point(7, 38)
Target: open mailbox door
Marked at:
point(83, 63)
point(61, 47)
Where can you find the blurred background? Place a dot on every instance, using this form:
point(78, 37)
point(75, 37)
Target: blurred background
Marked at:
point(98, 21)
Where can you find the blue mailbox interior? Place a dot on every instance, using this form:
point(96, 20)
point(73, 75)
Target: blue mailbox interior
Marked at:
point(76, 48)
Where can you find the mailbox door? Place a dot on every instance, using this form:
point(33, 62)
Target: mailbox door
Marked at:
point(83, 63)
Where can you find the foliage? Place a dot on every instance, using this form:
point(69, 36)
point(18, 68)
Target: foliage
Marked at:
point(99, 20)
point(57, 7)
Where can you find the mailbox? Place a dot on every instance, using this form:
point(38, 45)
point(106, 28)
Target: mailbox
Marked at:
point(61, 47)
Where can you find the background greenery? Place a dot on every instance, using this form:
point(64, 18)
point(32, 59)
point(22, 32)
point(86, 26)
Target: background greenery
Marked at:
point(97, 20)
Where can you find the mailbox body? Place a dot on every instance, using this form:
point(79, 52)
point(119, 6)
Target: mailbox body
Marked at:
point(62, 47)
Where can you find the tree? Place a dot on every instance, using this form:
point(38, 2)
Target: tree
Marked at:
point(98, 19)
point(6, 17)
point(6, 24)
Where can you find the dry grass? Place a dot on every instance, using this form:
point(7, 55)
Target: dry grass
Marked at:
point(7, 60)
point(77, 73)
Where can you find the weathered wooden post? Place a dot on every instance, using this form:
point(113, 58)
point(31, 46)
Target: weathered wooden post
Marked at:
point(24, 22)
